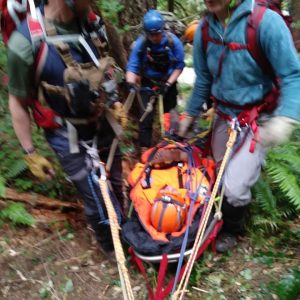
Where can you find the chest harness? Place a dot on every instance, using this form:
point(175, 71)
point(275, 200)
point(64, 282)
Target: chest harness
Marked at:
point(249, 112)
point(96, 78)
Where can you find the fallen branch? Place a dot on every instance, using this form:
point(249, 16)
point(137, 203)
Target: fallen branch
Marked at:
point(37, 199)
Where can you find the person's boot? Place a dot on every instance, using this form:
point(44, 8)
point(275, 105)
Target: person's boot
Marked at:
point(234, 225)
point(103, 237)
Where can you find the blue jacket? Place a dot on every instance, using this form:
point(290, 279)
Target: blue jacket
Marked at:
point(138, 62)
point(242, 81)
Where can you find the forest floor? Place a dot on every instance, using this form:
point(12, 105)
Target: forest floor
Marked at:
point(60, 260)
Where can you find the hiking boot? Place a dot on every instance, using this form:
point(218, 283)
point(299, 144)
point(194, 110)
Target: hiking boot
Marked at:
point(225, 241)
point(108, 253)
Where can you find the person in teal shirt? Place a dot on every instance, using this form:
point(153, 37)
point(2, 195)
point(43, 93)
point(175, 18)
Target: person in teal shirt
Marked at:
point(237, 83)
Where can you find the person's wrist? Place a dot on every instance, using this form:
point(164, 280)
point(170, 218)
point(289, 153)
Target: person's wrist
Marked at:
point(29, 150)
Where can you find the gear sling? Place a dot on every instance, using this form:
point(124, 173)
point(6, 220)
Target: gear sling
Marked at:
point(250, 112)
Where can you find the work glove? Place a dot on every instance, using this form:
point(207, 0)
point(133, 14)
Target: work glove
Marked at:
point(120, 114)
point(209, 115)
point(39, 166)
point(184, 124)
point(276, 131)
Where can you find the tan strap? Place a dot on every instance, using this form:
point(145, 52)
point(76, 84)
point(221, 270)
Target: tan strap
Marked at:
point(52, 89)
point(117, 128)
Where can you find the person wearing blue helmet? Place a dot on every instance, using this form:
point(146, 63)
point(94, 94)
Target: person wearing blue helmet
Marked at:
point(156, 59)
point(261, 92)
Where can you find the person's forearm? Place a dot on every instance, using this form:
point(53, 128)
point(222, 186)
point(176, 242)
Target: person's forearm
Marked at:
point(173, 77)
point(21, 122)
point(132, 77)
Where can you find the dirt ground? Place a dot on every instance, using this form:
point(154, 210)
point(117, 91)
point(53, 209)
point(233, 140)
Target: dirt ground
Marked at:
point(60, 260)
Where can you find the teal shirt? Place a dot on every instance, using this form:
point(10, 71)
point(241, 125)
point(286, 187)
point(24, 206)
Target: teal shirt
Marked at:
point(241, 80)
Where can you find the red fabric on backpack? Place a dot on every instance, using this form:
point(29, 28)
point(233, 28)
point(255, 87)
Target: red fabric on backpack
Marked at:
point(44, 117)
point(8, 25)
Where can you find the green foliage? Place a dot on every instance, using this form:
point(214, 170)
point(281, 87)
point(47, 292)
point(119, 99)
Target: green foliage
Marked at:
point(2, 186)
point(110, 9)
point(68, 286)
point(277, 192)
point(17, 214)
point(288, 288)
point(187, 10)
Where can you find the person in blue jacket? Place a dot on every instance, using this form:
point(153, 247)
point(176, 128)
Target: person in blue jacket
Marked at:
point(237, 83)
point(156, 59)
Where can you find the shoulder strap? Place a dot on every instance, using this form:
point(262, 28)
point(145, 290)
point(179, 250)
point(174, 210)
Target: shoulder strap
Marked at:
point(170, 40)
point(39, 47)
point(205, 36)
point(252, 37)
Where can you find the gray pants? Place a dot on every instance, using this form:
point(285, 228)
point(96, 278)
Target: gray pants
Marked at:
point(244, 167)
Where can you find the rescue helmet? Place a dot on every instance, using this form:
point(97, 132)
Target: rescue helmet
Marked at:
point(153, 22)
point(168, 212)
point(190, 31)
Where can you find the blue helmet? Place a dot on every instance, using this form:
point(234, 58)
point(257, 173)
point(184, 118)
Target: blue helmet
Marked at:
point(153, 21)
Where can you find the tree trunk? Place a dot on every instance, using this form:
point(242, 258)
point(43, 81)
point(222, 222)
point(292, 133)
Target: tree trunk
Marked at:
point(171, 4)
point(131, 18)
point(296, 16)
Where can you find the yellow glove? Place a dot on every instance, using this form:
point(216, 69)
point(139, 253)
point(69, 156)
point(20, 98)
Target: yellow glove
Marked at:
point(184, 124)
point(209, 114)
point(119, 114)
point(39, 166)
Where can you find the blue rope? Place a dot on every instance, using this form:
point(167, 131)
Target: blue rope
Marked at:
point(193, 197)
point(112, 196)
point(92, 177)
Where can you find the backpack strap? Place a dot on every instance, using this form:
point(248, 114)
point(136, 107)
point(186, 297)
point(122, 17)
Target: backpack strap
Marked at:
point(206, 38)
point(170, 40)
point(252, 37)
point(40, 48)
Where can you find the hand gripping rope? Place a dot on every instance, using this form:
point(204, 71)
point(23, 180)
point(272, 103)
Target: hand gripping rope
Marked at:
point(199, 237)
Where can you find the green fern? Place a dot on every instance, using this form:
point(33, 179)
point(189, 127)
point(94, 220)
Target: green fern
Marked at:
point(17, 214)
point(288, 288)
point(2, 186)
point(265, 224)
point(16, 169)
point(265, 197)
point(287, 182)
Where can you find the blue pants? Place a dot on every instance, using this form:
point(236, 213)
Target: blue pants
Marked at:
point(78, 168)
